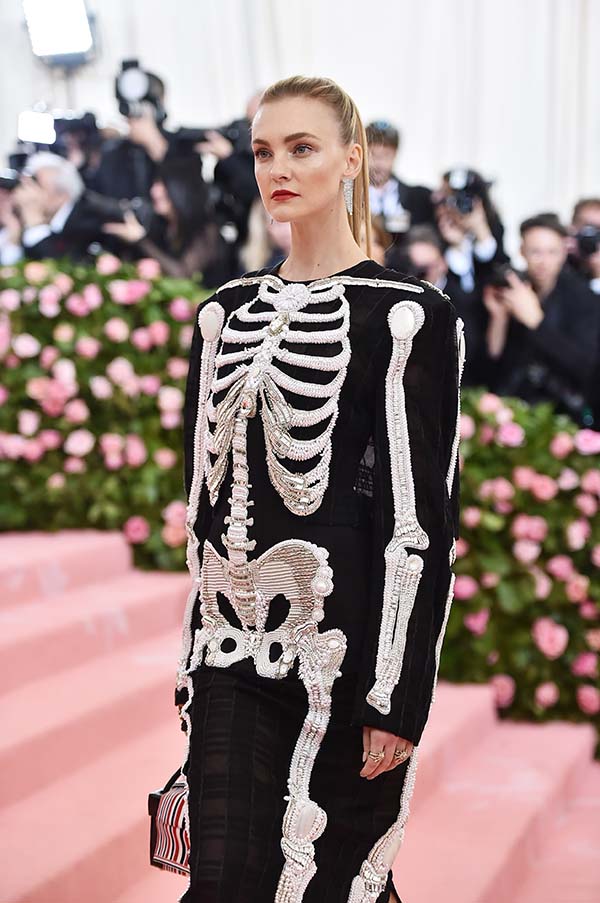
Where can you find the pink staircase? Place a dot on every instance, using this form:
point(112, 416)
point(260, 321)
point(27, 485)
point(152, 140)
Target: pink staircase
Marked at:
point(502, 812)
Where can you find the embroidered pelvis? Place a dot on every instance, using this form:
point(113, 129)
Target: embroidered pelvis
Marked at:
point(299, 571)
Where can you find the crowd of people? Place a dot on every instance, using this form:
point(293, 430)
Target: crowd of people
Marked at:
point(189, 199)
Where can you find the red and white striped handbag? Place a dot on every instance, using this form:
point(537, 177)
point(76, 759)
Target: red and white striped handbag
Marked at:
point(169, 838)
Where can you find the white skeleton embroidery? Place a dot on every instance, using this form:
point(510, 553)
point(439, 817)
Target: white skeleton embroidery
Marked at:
point(295, 568)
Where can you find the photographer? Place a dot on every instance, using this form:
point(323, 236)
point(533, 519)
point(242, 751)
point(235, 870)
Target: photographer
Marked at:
point(55, 217)
point(395, 204)
point(585, 245)
point(10, 225)
point(184, 237)
point(470, 226)
point(543, 330)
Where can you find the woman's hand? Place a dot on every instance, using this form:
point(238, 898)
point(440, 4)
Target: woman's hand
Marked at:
point(376, 742)
point(130, 231)
point(476, 222)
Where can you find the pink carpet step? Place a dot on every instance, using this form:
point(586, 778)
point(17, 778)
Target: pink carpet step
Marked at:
point(40, 638)
point(566, 868)
point(38, 565)
point(86, 836)
point(62, 722)
point(490, 813)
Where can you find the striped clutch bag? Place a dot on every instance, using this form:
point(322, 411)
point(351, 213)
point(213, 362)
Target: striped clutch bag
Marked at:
point(169, 838)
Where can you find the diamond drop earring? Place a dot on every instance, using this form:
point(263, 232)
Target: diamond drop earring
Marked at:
point(272, 220)
point(348, 193)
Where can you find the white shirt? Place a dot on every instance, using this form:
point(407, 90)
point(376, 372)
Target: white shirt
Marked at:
point(10, 253)
point(461, 260)
point(32, 235)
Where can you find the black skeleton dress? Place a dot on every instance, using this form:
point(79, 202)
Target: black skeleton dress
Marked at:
point(321, 437)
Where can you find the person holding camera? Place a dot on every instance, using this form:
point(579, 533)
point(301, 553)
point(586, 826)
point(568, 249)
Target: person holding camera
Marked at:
point(585, 250)
point(544, 328)
point(183, 236)
point(470, 226)
point(55, 218)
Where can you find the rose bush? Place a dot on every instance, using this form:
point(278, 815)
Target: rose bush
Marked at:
point(91, 395)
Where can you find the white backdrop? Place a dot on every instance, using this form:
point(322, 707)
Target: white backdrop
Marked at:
point(507, 86)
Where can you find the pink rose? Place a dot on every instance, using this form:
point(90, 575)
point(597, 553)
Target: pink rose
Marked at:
point(173, 535)
point(76, 411)
point(92, 296)
point(28, 422)
point(141, 339)
point(159, 332)
point(588, 611)
point(587, 442)
point(79, 443)
point(49, 305)
point(4, 395)
point(87, 347)
point(77, 305)
point(100, 387)
point(471, 517)
point(165, 458)
point(511, 435)
point(119, 370)
point(523, 477)
point(148, 268)
point(543, 487)
point(526, 551)
point(477, 621)
point(595, 555)
point(486, 434)
point(567, 479)
point(586, 503)
point(50, 439)
point(467, 426)
point(174, 513)
point(561, 567)
point(149, 384)
point(550, 638)
point(177, 368)
point(34, 450)
point(465, 587)
point(504, 689)
point(489, 403)
point(48, 355)
point(55, 396)
point(592, 638)
point(585, 665)
point(546, 694)
point(181, 309)
point(170, 398)
point(185, 336)
point(111, 443)
point(503, 490)
point(588, 699)
point(63, 283)
point(525, 526)
point(135, 451)
point(489, 579)
point(64, 333)
point(128, 291)
point(520, 526)
point(578, 533)
point(13, 445)
point(113, 462)
point(131, 386)
point(74, 465)
point(107, 264)
point(503, 507)
point(25, 345)
point(136, 529)
point(590, 481)
point(10, 299)
point(116, 329)
point(543, 584)
point(462, 547)
point(36, 272)
point(5, 333)
point(577, 588)
point(11, 361)
point(170, 420)
point(56, 481)
point(561, 445)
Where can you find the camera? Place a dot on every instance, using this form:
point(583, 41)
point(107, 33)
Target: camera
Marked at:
point(465, 185)
point(588, 240)
point(138, 91)
point(498, 274)
point(9, 179)
point(112, 210)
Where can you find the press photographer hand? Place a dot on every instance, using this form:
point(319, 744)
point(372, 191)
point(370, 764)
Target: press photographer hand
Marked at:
point(130, 231)
point(522, 302)
point(375, 742)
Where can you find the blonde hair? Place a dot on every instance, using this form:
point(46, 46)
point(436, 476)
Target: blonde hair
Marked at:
point(352, 131)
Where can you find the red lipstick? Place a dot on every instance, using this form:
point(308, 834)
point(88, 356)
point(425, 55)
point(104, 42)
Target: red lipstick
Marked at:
point(282, 194)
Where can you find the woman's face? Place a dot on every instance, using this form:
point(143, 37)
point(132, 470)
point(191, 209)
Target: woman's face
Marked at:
point(299, 159)
point(161, 201)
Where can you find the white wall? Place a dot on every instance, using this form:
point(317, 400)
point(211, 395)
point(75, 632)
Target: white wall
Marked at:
point(508, 86)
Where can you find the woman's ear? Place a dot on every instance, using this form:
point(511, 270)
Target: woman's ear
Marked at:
point(354, 160)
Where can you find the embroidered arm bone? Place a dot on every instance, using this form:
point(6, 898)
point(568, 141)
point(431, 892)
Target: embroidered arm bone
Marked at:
point(402, 570)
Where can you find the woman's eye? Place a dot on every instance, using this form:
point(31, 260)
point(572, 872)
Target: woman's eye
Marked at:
point(300, 147)
point(259, 152)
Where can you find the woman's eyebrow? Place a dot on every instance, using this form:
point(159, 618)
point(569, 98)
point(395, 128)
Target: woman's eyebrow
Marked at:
point(292, 137)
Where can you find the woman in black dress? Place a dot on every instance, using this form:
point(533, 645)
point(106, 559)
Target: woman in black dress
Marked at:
point(321, 444)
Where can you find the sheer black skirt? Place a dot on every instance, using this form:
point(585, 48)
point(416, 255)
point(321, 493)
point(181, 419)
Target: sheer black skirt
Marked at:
point(244, 729)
